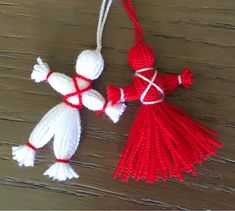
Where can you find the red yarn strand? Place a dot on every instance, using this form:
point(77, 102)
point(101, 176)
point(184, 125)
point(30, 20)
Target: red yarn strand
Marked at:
point(48, 75)
point(83, 78)
point(131, 13)
point(103, 109)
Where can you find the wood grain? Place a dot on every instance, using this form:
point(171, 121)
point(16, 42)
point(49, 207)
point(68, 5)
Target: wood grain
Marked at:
point(182, 32)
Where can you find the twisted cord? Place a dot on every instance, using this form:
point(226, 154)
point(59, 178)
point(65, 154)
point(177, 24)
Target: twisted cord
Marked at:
point(104, 10)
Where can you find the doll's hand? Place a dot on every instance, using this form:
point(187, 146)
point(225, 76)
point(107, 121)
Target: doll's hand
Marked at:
point(114, 94)
point(40, 71)
point(115, 111)
point(186, 77)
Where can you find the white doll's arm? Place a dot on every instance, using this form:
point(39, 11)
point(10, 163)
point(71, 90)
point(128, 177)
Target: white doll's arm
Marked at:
point(58, 81)
point(94, 101)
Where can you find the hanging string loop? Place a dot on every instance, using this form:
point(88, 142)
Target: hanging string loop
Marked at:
point(131, 13)
point(104, 10)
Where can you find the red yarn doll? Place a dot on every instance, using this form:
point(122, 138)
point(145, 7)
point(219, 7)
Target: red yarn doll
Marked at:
point(163, 141)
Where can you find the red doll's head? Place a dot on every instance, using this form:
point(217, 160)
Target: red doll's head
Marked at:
point(141, 56)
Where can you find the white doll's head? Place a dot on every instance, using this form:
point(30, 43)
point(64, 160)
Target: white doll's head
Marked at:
point(90, 64)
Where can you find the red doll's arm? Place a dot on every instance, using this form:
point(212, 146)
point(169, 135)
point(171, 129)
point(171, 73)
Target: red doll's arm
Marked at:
point(116, 94)
point(172, 81)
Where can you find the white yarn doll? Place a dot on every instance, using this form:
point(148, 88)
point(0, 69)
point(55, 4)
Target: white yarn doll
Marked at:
point(62, 123)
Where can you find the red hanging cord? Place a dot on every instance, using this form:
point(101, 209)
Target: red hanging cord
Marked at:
point(131, 13)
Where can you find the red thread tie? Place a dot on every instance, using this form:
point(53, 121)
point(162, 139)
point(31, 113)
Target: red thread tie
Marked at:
point(103, 109)
point(78, 92)
point(31, 146)
point(62, 161)
point(48, 75)
point(83, 78)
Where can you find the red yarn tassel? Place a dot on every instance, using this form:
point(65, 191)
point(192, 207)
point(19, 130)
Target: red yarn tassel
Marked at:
point(164, 142)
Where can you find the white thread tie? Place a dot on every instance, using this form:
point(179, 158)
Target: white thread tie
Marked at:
point(179, 79)
point(151, 83)
point(153, 102)
point(144, 69)
point(122, 98)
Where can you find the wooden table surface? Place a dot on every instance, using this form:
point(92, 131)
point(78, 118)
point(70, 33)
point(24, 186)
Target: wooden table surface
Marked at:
point(199, 34)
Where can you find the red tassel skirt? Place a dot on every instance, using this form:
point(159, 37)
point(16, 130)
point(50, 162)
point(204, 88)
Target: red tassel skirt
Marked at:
point(164, 142)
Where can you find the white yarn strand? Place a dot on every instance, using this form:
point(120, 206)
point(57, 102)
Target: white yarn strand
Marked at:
point(102, 20)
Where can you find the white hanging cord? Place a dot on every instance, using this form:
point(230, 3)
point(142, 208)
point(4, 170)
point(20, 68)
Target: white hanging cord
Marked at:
point(102, 19)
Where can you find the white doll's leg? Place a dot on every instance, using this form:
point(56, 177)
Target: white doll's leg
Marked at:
point(39, 137)
point(66, 140)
